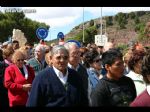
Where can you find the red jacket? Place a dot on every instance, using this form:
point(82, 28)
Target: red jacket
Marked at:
point(13, 81)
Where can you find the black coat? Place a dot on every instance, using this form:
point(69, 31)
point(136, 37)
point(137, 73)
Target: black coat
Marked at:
point(47, 90)
point(110, 92)
point(84, 80)
point(4, 101)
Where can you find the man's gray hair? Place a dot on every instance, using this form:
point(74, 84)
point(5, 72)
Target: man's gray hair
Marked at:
point(69, 44)
point(56, 48)
point(40, 47)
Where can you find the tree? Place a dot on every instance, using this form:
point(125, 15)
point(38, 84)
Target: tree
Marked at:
point(92, 23)
point(132, 15)
point(140, 13)
point(136, 20)
point(140, 28)
point(17, 20)
point(6, 28)
point(109, 20)
point(147, 30)
point(121, 19)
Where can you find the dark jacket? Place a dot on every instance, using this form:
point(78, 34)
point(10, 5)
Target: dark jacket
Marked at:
point(4, 102)
point(110, 92)
point(84, 80)
point(47, 90)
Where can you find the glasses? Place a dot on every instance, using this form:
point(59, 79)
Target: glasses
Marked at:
point(98, 60)
point(20, 60)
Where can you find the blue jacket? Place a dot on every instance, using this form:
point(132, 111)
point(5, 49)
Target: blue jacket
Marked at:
point(92, 77)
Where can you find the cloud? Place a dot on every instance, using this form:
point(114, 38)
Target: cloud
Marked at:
point(53, 12)
point(58, 22)
point(114, 10)
point(60, 16)
point(55, 16)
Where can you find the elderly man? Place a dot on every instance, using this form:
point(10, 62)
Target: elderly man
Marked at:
point(57, 85)
point(108, 46)
point(74, 63)
point(38, 61)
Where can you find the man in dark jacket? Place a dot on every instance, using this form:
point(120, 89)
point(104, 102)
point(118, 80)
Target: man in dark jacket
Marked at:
point(74, 63)
point(57, 85)
point(114, 89)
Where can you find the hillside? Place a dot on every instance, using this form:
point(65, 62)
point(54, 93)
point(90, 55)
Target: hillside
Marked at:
point(120, 28)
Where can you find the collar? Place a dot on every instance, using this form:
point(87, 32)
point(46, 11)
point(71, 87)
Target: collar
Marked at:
point(63, 78)
point(25, 71)
point(70, 66)
point(7, 62)
point(135, 76)
point(59, 73)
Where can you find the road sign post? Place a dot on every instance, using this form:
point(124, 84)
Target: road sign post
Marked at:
point(60, 36)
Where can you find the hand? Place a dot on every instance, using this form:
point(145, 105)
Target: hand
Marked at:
point(26, 87)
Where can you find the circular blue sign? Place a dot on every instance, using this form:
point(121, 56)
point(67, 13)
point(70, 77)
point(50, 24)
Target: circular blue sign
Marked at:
point(60, 35)
point(77, 42)
point(42, 33)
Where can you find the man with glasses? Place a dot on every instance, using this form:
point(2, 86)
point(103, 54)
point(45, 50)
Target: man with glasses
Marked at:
point(74, 63)
point(57, 85)
point(38, 61)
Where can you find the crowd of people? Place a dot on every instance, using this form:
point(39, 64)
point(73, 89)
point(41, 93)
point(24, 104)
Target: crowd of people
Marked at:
point(71, 75)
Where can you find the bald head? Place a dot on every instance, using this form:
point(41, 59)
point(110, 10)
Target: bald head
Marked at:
point(70, 45)
point(108, 46)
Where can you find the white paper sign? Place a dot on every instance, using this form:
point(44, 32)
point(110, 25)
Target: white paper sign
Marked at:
point(100, 40)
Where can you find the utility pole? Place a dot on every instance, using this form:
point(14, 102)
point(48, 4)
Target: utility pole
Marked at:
point(83, 25)
point(101, 21)
point(105, 26)
point(101, 24)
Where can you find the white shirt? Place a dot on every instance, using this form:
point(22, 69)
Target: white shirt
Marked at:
point(148, 89)
point(70, 66)
point(63, 78)
point(138, 81)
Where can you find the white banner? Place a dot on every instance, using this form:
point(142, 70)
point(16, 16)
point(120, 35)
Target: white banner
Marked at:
point(100, 40)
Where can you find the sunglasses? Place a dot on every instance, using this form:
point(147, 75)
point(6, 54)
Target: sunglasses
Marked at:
point(20, 60)
point(98, 60)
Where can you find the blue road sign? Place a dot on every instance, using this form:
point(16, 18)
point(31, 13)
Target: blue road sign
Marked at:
point(60, 35)
point(42, 33)
point(77, 42)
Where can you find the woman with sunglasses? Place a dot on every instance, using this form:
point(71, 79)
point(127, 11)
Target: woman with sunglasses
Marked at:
point(18, 79)
point(93, 64)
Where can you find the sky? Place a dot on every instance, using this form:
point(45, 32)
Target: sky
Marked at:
point(64, 19)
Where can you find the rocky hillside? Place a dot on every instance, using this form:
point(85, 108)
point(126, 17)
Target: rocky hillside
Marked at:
point(121, 28)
